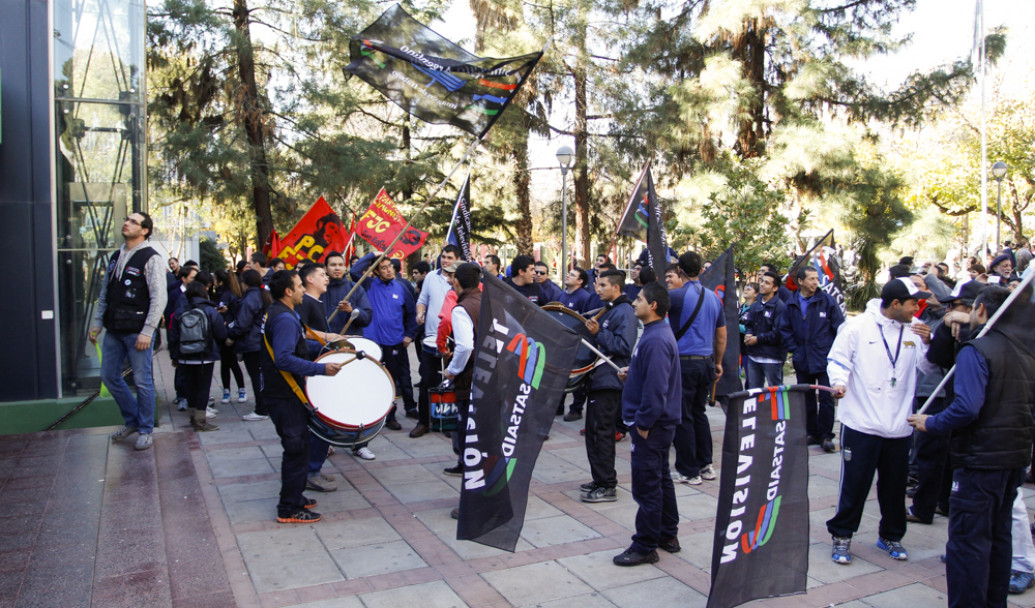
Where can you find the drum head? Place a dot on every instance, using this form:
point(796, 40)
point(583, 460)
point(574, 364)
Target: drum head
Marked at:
point(585, 358)
point(371, 348)
point(360, 394)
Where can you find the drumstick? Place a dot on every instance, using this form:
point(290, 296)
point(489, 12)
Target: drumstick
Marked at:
point(352, 317)
point(601, 355)
point(597, 316)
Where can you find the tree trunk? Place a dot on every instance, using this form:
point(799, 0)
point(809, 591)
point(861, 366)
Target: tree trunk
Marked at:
point(253, 116)
point(522, 180)
point(581, 130)
point(749, 49)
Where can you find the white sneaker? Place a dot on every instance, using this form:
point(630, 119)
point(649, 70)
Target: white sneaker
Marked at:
point(210, 412)
point(694, 481)
point(226, 396)
point(253, 417)
point(181, 405)
point(708, 473)
point(143, 442)
point(364, 453)
point(242, 395)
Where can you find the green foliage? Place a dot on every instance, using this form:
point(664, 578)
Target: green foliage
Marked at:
point(211, 257)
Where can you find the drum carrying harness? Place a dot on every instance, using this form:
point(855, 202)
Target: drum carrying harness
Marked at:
point(288, 377)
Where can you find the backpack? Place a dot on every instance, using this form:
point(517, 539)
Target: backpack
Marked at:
point(195, 331)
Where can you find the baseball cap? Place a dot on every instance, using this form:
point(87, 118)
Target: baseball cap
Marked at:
point(965, 292)
point(902, 289)
point(452, 267)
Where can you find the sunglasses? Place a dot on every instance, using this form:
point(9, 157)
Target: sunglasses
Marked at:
point(540, 272)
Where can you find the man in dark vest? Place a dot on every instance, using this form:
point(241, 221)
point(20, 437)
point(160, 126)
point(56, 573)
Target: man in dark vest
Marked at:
point(130, 307)
point(991, 423)
point(460, 371)
point(287, 358)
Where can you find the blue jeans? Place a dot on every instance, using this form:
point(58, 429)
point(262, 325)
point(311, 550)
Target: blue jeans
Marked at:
point(760, 373)
point(137, 411)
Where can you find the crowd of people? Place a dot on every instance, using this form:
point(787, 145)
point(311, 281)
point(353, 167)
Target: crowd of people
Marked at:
point(665, 337)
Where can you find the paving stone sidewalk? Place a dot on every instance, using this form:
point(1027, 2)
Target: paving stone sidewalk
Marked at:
point(386, 538)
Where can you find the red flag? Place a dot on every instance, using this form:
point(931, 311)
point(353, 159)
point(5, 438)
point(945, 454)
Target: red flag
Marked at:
point(382, 222)
point(350, 246)
point(314, 236)
point(272, 245)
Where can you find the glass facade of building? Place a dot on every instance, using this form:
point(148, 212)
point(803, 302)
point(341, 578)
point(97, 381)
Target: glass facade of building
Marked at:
point(99, 160)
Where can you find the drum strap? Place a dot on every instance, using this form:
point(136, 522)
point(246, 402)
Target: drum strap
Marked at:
point(290, 379)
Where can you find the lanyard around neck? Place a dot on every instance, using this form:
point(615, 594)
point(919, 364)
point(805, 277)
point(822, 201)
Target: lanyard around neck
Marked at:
point(887, 348)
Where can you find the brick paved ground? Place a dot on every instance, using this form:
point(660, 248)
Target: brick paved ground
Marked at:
point(190, 523)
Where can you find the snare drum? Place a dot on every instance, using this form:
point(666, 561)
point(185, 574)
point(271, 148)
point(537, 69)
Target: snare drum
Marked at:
point(350, 407)
point(371, 348)
point(585, 359)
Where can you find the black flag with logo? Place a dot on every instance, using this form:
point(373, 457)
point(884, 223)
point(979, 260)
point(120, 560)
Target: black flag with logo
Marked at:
point(824, 258)
point(460, 225)
point(721, 277)
point(761, 546)
point(636, 218)
point(657, 241)
point(432, 78)
point(522, 361)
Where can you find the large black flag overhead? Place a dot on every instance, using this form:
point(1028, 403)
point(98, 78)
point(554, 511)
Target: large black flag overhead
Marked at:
point(432, 78)
point(460, 225)
point(761, 546)
point(522, 361)
point(635, 220)
point(824, 258)
point(657, 241)
point(721, 277)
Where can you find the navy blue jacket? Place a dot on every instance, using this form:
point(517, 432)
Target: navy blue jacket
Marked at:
point(615, 339)
point(336, 290)
point(225, 297)
point(576, 300)
point(246, 329)
point(551, 291)
point(762, 321)
point(809, 339)
point(217, 332)
point(652, 392)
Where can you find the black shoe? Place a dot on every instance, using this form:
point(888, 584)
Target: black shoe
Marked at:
point(309, 502)
point(572, 416)
point(412, 414)
point(941, 511)
point(589, 486)
point(393, 425)
point(457, 471)
point(634, 558)
point(828, 446)
point(301, 517)
point(671, 545)
point(600, 494)
point(911, 491)
point(455, 513)
point(913, 519)
point(813, 440)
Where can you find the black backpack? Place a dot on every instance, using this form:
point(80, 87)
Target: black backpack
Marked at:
point(195, 332)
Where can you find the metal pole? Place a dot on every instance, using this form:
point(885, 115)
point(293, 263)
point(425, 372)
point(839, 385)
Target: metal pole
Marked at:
point(564, 225)
point(998, 214)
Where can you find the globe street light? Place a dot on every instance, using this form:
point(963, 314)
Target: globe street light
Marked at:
point(998, 172)
point(564, 157)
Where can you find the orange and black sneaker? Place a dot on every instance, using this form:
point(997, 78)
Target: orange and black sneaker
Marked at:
point(301, 517)
point(309, 502)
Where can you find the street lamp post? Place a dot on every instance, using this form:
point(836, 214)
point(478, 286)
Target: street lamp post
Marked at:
point(564, 157)
point(998, 172)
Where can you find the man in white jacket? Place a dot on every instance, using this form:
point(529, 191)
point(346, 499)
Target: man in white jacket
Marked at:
point(872, 368)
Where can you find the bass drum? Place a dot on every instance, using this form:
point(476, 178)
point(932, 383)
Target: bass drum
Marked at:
point(352, 406)
point(585, 359)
